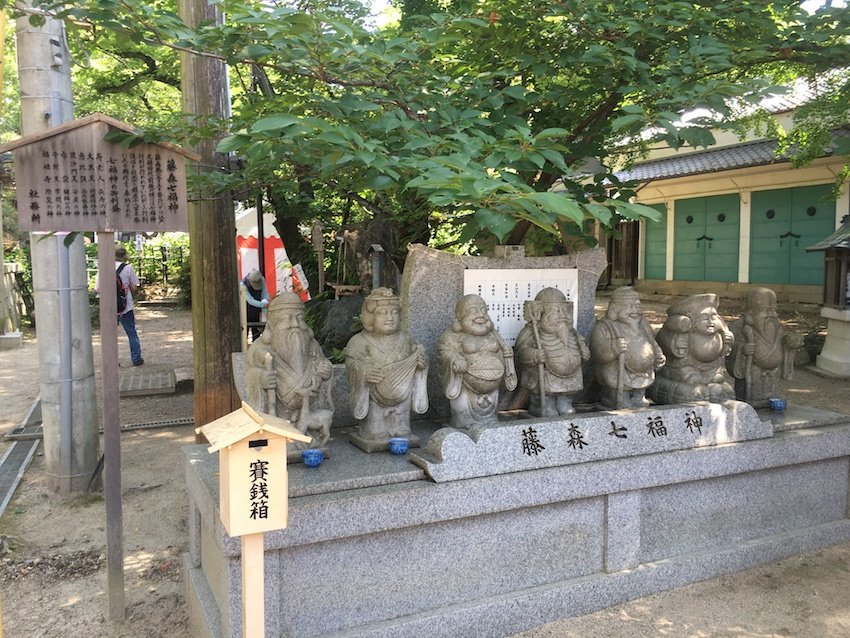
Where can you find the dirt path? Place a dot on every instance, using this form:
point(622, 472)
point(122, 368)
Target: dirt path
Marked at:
point(53, 581)
point(53, 578)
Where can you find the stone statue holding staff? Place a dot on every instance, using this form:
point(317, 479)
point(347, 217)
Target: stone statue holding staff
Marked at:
point(763, 352)
point(624, 351)
point(286, 373)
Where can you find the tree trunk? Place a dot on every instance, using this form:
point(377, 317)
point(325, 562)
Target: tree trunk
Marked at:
point(212, 236)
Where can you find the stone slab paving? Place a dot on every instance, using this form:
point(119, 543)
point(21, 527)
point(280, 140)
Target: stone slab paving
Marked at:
point(146, 380)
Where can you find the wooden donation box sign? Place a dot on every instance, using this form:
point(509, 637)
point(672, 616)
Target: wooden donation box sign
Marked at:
point(253, 484)
point(70, 179)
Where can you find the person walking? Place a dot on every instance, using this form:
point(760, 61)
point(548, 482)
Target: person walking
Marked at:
point(129, 283)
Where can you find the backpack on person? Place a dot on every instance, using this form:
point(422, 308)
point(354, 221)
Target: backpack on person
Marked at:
point(120, 290)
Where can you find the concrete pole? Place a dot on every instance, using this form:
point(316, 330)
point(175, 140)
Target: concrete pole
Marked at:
point(60, 287)
point(5, 322)
point(6, 326)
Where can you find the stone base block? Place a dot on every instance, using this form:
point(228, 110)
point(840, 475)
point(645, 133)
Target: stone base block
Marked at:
point(203, 612)
point(405, 557)
point(833, 366)
point(526, 444)
point(835, 356)
point(10, 341)
point(370, 445)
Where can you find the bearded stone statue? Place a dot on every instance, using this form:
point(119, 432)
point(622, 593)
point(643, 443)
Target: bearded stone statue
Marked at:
point(286, 373)
point(763, 352)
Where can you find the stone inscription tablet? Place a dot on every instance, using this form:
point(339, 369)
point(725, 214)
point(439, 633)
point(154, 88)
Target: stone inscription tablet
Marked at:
point(528, 444)
point(506, 290)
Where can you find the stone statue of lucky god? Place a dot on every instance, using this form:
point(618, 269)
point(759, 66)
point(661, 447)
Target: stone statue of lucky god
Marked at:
point(696, 341)
point(473, 362)
point(387, 374)
point(625, 353)
point(551, 353)
point(763, 352)
point(286, 373)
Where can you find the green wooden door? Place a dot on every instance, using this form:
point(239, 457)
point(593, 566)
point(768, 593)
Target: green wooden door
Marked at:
point(707, 231)
point(783, 223)
point(655, 246)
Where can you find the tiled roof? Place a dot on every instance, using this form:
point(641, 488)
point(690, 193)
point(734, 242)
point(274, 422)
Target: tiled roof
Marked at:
point(710, 161)
point(743, 155)
point(799, 92)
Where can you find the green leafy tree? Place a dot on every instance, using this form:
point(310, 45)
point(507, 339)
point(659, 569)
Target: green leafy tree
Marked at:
point(10, 113)
point(9, 129)
point(473, 117)
point(817, 122)
point(130, 81)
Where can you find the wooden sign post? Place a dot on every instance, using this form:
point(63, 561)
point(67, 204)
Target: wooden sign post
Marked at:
point(317, 236)
point(254, 493)
point(69, 179)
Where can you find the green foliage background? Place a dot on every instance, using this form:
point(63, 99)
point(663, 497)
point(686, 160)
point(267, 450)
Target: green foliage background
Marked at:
point(454, 125)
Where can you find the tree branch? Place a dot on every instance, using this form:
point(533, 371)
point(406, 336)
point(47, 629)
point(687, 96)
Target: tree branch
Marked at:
point(365, 203)
point(152, 72)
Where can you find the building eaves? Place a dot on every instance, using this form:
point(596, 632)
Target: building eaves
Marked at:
point(744, 155)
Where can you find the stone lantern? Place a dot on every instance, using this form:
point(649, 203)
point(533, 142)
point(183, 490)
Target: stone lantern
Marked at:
point(835, 356)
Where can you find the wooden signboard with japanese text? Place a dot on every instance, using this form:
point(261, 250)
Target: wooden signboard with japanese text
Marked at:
point(70, 179)
point(74, 180)
point(253, 485)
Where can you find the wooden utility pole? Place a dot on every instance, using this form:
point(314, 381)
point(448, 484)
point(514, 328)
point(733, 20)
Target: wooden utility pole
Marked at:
point(111, 430)
point(212, 235)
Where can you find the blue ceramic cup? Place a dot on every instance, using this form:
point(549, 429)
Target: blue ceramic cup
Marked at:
point(399, 445)
point(776, 404)
point(312, 458)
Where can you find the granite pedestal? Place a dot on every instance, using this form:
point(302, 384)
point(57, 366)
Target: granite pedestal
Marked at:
point(834, 359)
point(376, 548)
point(10, 340)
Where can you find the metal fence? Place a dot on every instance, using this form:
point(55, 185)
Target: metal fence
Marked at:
point(158, 267)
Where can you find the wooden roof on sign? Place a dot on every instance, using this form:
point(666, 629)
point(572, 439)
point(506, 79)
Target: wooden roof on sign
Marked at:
point(69, 178)
point(244, 422)
point(85, 121)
